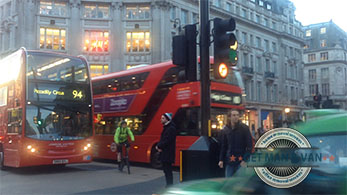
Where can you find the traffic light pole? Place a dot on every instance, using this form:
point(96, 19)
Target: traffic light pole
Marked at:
point(205, 66)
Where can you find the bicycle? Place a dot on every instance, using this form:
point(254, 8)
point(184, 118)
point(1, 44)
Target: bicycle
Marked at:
point(124, 159)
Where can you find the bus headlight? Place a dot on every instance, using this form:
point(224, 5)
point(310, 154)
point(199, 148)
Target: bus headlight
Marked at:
point(87, 146)
point(31, 148)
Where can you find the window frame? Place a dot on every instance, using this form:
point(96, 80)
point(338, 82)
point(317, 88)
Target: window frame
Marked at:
point(46, 45)
point(90, 33)
point(98, 10)
point(131, 50)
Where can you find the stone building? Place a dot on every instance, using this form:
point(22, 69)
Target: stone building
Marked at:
point(325, 58)
point(117, 34)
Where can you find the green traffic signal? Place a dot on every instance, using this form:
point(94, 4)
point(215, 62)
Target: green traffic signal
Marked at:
point(233, 53)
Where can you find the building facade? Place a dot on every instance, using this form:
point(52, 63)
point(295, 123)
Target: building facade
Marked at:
point(117, 34)
point(325, 58)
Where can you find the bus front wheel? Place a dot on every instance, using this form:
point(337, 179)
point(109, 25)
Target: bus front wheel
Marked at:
point(155, 162)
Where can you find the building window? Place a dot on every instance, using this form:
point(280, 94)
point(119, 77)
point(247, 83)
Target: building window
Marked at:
point(323, 43)
point(184, 17)
point(275, 93)
point(311, 57)
point(313, 89)
point(259, 91)
point(325, 89)
point(173, 13)
point(323, 30)
point(261, 2)
point(274, 70)
point(98, 69)
point(324, 56)
point(138, 41)
point(96, 11)
point(138, 12)
point(274, 26)
point(53, 8)
point(312, 75)
point(251, 40)
point(274, 47)
point(195, 18)
point(325, 73)
point(257, 18)
point(96, 41)
point(244, 38)
point(244, 13)
point(228, 7)
point(258, 42)
point(245, 60)
point(267, 45)
point(259, 65)
point(268, 6)
point(268, 93)
point(52, 38)
point(266, 22)
point(308, 33)
point(267, 65)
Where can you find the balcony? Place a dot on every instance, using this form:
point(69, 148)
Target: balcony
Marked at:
point(294, 102)
point(247, 71)
point(270, 76)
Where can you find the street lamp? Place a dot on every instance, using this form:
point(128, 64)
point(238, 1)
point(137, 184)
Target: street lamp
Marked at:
point(287, 110)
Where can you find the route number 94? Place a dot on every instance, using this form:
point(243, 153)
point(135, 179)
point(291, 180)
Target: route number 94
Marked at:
point(77, 94)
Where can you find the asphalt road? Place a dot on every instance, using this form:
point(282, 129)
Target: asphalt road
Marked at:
point(94, 178)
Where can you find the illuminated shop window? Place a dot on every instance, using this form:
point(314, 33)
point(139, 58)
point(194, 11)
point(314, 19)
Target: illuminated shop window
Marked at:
point(96, 11)
point(53, 8)
point(137, 12)
point(96, 41)
point(98, 69)
point(52, 38)
point(138, 41)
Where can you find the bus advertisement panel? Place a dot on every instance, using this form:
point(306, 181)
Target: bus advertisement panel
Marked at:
point(46, 106)
point(141, 95)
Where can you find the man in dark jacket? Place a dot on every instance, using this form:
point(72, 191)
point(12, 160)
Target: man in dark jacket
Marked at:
point(236, 142)
point(167, 146)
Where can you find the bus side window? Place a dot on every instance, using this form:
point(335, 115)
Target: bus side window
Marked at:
point(186, 121)
point(15, 120)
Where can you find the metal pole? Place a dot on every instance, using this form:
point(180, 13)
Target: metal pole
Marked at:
point(205, 66)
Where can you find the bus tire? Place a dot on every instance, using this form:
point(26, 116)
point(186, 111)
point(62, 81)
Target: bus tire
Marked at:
point(2, 159)
point(155, 162)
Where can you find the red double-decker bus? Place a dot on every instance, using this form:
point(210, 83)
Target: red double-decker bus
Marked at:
point(141, 95)
point(45, 109)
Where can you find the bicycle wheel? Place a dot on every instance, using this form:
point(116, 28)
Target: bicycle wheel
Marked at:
point(128, 164)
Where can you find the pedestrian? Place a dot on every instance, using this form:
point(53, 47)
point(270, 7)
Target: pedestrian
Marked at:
point(121, 138)
point(236, 142)
point(167, 146)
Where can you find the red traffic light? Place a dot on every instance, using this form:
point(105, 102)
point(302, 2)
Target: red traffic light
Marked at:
point(222, 71)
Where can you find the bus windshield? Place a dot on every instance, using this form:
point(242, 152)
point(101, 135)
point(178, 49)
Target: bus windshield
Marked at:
point(58, 122)
point(58, 97)
point(52, 67)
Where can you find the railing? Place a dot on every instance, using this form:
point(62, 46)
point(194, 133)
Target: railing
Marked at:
point(247, 70)
point(269, 75)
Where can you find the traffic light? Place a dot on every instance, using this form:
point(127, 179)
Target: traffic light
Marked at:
point(317, 101)
point(184, 51)
point(225, 47)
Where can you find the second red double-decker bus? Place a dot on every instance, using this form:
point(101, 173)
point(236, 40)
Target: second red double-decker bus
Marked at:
point(141, 95)
point(45, 109)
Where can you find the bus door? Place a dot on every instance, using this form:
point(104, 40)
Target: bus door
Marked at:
point(13, 136)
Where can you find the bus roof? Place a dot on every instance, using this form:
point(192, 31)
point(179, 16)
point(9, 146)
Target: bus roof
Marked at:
point(133, 71)
point(311, 114)
point(328, 124)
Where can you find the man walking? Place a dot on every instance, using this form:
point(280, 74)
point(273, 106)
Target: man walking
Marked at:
point(167, 146)
point(236, 142)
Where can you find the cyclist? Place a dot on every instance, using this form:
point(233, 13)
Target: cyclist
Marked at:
point(121, 138)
